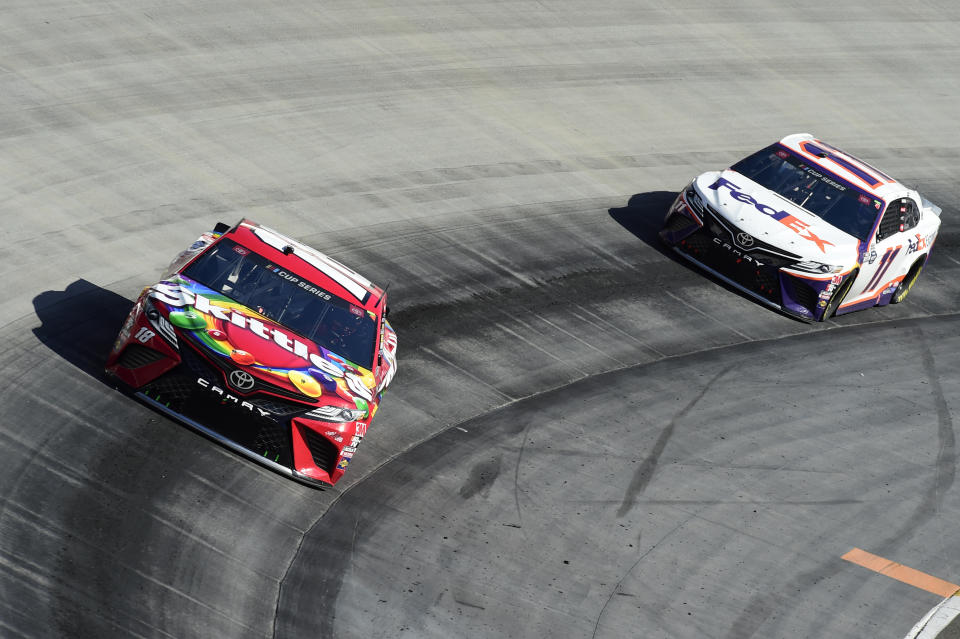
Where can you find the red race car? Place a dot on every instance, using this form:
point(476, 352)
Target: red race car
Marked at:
point(265, 345)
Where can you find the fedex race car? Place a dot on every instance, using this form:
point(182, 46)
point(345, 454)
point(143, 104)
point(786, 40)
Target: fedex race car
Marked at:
point(264, 344)
point(806, 229)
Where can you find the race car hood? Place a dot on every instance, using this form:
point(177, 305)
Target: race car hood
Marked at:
point(239, 338)
point(774, 220)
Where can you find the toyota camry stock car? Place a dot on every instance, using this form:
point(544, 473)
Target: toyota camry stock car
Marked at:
point(805, 228)
point(264, 344)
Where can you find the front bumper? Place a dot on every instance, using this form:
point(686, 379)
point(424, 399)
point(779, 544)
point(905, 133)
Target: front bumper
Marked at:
point(701, 237)
point(266, 428)
point(231, 444)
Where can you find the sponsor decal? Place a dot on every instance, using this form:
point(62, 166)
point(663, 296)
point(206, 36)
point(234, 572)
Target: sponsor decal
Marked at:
point(241, 380)
point(293, 279)
point(226, 397)
point(334, 435)
point(343, 463)
point(342, 275)
point(737, 252)
point(239, 249)
point(795, 224)
point(250, 331)
point(916, 245)
point(124, 334)
point(823, 178)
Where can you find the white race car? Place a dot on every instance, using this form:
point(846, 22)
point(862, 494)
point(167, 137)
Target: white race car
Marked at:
point(806, 229)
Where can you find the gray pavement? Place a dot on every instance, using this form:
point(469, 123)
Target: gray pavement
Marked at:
point(586, 437)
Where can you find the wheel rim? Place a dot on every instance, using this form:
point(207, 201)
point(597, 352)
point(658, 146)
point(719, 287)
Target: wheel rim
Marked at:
point(837, 298)
point(907, 283)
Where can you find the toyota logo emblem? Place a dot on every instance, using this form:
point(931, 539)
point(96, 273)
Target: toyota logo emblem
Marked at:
point(744, 240)
point(241, 380)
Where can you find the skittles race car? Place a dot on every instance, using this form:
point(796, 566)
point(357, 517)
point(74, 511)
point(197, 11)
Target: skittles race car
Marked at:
point(265, 345)
point(805, 228)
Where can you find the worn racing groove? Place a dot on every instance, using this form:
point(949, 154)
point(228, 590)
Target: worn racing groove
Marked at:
point(587, 436)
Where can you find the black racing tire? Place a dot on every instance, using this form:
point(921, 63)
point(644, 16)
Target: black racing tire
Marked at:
point(907, 283)
point(838, 296)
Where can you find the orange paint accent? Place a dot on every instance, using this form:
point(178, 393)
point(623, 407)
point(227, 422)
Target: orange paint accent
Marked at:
point(907, 575)
point(824, 278)
point(866, 169)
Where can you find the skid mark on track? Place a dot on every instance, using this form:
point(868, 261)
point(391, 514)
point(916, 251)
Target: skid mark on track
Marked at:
point(946, 468)
point(643, 475)
point(467, 373)
point(710, 317)
point(516, 475)
point(482, 476)
point(616, 589)
point(761, 607)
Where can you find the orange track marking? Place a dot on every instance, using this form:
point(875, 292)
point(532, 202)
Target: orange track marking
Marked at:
point(902, 573)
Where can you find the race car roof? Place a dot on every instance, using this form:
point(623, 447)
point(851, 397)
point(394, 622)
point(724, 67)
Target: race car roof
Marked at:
point(307, 262)
point(850, 169)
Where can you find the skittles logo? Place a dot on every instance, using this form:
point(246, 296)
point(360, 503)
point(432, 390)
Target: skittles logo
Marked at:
point(250, 339)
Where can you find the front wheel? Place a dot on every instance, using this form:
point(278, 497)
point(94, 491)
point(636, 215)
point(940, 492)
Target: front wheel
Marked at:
point(838, 296)
point(907, 283)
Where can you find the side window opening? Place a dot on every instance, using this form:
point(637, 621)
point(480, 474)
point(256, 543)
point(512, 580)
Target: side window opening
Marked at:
point(901, 214)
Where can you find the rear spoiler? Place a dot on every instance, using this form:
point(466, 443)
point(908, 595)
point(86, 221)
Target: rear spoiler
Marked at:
point(930, 206)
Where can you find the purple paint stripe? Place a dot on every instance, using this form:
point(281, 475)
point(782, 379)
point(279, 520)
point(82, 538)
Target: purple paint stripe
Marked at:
point(870, 179)
point(866, 164)
point(885, 264)
point(881, 269)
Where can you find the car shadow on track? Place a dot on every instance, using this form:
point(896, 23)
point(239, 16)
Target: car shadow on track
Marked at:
point(81, 323)
point(643, 216)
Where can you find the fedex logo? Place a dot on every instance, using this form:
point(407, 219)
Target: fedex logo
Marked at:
point(796, 225)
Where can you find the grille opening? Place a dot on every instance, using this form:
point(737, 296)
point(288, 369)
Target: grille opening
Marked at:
point(136, 356)
point(678, 222)
point(258, 422)
point(262, 435)
point(802, 293)
point(322, 450)
point(754, 271)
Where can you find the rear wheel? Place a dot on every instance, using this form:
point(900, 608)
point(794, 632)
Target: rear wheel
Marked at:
point(838, 296)
point(907, 283)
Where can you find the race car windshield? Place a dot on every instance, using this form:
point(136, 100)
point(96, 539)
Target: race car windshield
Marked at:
point(323, 318)
point(813, 189)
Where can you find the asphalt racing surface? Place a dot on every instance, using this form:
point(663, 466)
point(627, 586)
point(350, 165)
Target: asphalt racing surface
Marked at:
point(586, 437)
